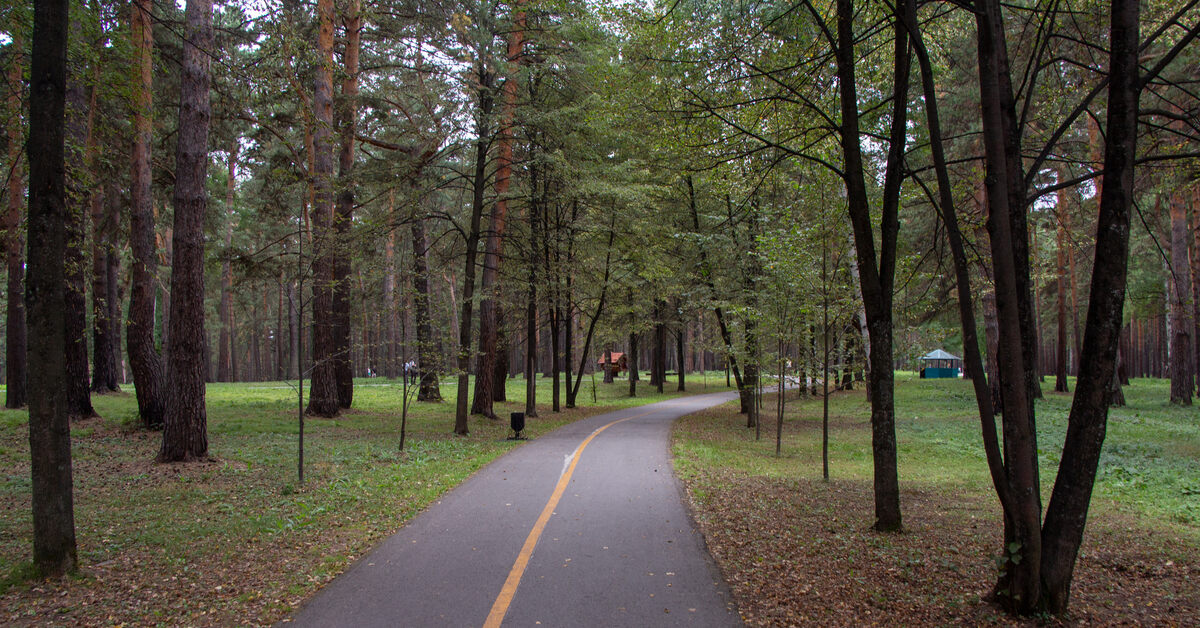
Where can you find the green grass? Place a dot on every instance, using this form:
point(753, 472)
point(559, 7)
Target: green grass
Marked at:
point(243, 518)
point(1150, 464)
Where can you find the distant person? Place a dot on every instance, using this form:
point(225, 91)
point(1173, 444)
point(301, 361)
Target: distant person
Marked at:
point(410, 371)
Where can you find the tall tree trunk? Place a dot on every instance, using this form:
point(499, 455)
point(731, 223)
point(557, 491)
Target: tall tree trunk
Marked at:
point(103, 378)
point(1066, 514)
point(489, 314)
point(144, 359)
point(347, 123)
point(1179, 281)
point(679, 353)
point(726, 336)
point(15, 336)
point(658, 372)
point(323, 391)
point(225, 348)
point(389, 299)
point(294, 325)
point(45, 296)
point(112, 272)
point(1019, 585)
point(428, 352)
point(185, 428)
point(80, 118)
point(1194, 261)
point(531, 318)
point(876, 275)
point(632, 358)
point(1061, 214)
point(479, 182)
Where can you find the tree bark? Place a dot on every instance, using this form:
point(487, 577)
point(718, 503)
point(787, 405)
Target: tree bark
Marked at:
point(224, 348)
point(390, 364)
point(1066, 514)
point(347, 123)
point(428, 351)
point(144, 360)
point(15, 365)
point(1018, 587)
point(1179, 282)
point(104, 377)
point(1061, 213)
point(45, 296)
point(479, 183)
point(876, 276)
point(632, 358)
point(80, 118)
point(489, 314)
point(1194, 260)
point(323, 392)
point(185, 428)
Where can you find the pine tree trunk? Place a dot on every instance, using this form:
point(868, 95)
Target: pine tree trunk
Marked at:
point(1194, 261)
point(1060, 354)
point(390, 369)
point(224, 348)
point(15, 336)
point(633, 369)
point(323, 392)
point(144, 360)
point(49, 423)
point(347, 114)
point(185, 428)
point(79, 121)
point(1180, 282)
point(103, 377)
point(428, 352)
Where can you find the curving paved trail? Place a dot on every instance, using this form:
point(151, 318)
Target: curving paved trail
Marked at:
point(617, 548)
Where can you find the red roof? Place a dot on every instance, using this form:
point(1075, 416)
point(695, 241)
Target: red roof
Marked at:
point(616, 357)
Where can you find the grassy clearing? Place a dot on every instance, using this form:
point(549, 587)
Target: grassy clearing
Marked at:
point(1144, 529)
point(238, 539)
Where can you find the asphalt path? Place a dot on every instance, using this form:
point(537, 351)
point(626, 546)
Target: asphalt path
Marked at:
point(585, 526)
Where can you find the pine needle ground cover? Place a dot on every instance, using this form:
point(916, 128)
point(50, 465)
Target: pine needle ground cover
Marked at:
point(799, 551)
point(237, 540)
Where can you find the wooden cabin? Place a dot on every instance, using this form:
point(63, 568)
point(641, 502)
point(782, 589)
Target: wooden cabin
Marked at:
point(619, 363)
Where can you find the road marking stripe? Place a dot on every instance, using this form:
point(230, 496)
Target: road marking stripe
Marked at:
point(500, 607)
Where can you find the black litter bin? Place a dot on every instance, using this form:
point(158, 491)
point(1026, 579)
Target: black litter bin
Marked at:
point(517, 421)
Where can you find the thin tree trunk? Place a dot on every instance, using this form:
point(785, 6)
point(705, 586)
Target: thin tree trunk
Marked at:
point(390, 369)
point(633, 356)
point(876, 276)
point(144, 360)
point(49, 423)
point(1194, 260)
point(427, 350)
point(1180, 291)
point(224, 348)
point(1061, 213)
point(468, 296)
point(80, 118)
point(15, 335)
point(185, 428)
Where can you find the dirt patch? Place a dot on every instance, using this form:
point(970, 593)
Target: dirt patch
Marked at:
point(797, 552)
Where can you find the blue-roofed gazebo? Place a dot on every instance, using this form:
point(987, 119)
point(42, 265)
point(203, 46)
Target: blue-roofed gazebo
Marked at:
point(939, 364)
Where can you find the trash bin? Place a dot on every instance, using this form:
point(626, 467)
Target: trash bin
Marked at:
point(517, 421)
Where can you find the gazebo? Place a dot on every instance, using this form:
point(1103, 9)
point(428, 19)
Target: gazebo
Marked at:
point(938, 364)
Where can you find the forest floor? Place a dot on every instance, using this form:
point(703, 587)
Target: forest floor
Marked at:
point(797, 550)
point(237, 540)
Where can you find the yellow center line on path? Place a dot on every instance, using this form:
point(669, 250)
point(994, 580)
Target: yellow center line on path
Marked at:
point(500, 607)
